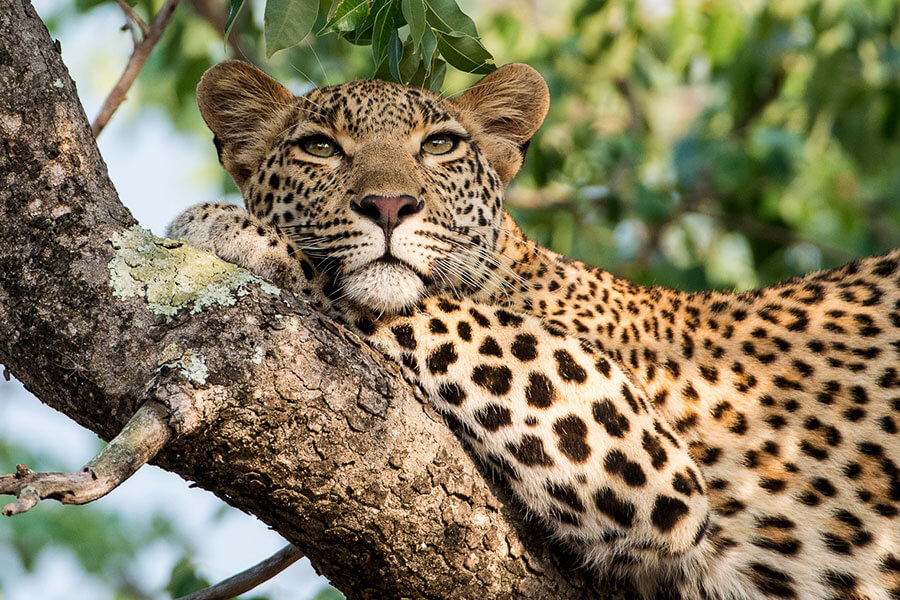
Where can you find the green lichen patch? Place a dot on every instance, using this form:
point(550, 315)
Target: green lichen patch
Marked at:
point(172, 275)
point(189, 363)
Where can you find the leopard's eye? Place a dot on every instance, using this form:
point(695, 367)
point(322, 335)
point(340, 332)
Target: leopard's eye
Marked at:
point(321, 146)
point(440, 143)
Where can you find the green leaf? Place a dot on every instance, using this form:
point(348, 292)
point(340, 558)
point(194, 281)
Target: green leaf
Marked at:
point(381, 33)
point(185, 579)
point(322, 16)
point(435, 78)
point(429, 45)
point(362, 34)
point(350, 14)
point(412, 69)
point(329, 593)
point(457, 37)
point(395, 53)
point(236, 6)
point(465, 53)
point(403, 64)
point(414, 13)
point(446, 17)
point(383, 71)
point(287, 23)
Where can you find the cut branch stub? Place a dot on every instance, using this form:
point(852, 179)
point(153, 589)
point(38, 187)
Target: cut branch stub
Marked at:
point(139, 441)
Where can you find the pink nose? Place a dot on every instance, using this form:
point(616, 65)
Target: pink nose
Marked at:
point(387, 211)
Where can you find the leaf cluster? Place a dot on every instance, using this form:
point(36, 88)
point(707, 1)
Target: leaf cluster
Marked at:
point(412, 41)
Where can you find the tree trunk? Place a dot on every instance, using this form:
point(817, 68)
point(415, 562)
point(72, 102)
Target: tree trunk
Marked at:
point(291, 419)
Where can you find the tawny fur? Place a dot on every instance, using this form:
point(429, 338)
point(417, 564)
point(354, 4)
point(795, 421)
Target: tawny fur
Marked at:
point(724, 446)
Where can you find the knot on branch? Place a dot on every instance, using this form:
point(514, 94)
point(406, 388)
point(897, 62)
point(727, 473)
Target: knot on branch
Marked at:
point(180, 385)
point(188, 408)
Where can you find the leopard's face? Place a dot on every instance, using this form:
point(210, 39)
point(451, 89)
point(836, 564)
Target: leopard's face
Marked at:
point(394, 192)
point(386, 190)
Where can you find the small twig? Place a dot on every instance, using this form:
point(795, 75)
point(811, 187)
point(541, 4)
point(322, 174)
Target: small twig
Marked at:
point(247, 580)
point(134, 18)
point(134, 66)
point(139, 441)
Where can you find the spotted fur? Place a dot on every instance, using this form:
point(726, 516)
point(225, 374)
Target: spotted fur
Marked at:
point(722, 446)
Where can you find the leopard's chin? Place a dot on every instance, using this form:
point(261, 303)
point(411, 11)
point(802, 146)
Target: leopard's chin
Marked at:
point(384, 286)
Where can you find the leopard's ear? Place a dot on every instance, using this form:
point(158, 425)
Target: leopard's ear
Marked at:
point(246, 110)
point(507, 107)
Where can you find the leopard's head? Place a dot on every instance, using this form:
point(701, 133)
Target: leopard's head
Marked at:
point(396, 192)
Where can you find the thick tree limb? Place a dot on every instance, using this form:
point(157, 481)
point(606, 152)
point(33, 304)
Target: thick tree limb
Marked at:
point(139, 56)
point(139, 441)
point(276, 410)
point(247, 580)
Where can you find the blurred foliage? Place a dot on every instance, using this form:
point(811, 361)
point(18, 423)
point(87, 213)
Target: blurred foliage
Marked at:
point(103, 544)
point(694, 144)
point(185, 580)
point(329, 594)
point(715, 143)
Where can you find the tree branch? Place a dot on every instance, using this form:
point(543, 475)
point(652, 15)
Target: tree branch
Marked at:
point(136, 62)
point(139, 441)
point(276, 410)
point(247, 580)
point(135, 19)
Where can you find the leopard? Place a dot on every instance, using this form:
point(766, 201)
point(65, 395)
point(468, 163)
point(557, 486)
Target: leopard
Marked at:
point(713, 445)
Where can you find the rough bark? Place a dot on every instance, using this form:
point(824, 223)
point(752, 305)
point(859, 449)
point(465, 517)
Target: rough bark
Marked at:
point(302, 426)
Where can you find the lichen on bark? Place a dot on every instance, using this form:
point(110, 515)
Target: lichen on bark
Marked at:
point(171, 275)
point(191, 364)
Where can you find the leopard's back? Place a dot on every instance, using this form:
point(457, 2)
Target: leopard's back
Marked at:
point(725, 445)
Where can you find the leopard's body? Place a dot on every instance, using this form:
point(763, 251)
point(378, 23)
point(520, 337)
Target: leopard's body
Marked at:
point(719, 445)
